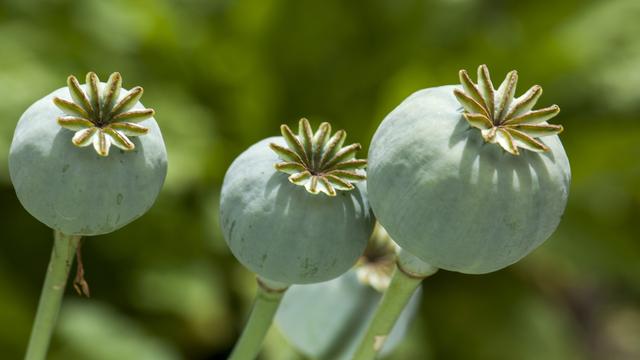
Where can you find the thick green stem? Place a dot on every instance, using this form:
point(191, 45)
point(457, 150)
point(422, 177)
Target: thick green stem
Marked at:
point(62, 255)
point(264, 309)
point(393, 302)
point(408, 274)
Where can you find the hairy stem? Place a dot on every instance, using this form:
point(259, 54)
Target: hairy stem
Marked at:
point(406, 277)
point(264, 309)
point(62, 255)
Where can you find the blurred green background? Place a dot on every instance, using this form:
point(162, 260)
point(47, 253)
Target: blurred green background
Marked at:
point(223, 74)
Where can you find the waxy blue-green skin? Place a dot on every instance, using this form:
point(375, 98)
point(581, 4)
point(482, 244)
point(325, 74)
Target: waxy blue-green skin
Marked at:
point(326, 320)
point(284, 233)
point(454, 201)
point(74, 190)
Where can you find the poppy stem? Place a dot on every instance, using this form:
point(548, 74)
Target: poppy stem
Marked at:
point(408, 274)
point(264, 309)
point(62, 255)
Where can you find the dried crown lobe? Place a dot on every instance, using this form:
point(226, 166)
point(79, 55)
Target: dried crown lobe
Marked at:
point(501, 117)
point(98, 118)
point(318, 161)
point(376, 265)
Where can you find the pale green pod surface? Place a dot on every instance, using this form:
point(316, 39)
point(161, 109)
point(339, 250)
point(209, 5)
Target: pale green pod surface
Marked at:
point(326, 320)
point(456, 201)
point(281, 231)
point(73, 189)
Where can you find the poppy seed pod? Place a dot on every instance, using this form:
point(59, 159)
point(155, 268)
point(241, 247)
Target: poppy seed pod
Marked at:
point(289, 210)
point(63, 166)
point(469, 178)
point(325, 320)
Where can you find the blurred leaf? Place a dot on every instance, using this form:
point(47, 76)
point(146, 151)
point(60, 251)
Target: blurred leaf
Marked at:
point(602, 39)
point(193, 294)
point(90, 330)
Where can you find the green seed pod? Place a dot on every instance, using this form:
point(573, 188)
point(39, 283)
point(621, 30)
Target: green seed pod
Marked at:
point(326, 320)
point(78, 189)
point(462, 199)
point(308, 227)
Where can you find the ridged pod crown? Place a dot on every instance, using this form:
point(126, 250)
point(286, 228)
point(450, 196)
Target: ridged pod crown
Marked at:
point(502, 118)
point(98, 118)
point(318, 161)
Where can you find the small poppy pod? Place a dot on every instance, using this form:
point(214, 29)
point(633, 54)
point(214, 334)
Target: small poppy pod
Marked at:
point(289, 210)
point(88, 159)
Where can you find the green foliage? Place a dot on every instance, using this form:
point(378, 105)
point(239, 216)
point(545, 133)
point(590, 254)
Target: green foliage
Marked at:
point(223, 74)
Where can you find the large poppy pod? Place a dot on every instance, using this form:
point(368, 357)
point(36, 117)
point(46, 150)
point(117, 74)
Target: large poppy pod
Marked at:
point(469, 178)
